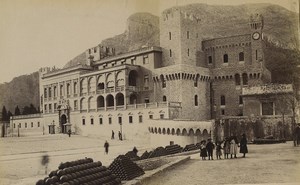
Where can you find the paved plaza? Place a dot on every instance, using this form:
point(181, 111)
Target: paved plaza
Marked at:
point(20, 161)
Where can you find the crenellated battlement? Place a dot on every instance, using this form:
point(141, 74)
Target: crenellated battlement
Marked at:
point(256, 21)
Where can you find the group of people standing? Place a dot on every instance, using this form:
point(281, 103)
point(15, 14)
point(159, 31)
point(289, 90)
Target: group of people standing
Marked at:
point(229, 145)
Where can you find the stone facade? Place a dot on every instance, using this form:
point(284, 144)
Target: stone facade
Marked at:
point(186, 78)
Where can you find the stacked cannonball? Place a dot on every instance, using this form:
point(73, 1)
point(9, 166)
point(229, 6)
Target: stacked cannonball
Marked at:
point(145, 155)
point(173, 149)
point(159, 151)
point(80, 172)
point(132, 156)
point(189, 147)
point(125, 169)
point(198, 145)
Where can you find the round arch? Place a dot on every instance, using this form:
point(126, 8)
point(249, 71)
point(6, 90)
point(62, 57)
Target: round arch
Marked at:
point(110, 100)
point(184, 132)
point(119, 99)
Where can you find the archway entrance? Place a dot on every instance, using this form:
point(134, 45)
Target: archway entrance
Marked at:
point(63, 121)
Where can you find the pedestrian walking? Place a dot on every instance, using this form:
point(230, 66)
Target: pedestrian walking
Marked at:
point(106, 146)
point(112, 134)
point(226, 148)
point(69, 133)
point(203, 151)
point(233, 147)
point(243, 145)
point(218, 150)
point(210, 147)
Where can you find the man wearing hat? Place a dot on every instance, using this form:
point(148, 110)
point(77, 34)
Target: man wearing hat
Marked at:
point(210, 147)
point(243, 145)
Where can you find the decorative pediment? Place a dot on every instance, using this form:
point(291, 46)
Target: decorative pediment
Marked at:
point(150, 112)
point(109, 115)
point(120, 114)
point(140, 113)
point(100, 115)
point(130, 113)
point(161, 111)
point(83, 117)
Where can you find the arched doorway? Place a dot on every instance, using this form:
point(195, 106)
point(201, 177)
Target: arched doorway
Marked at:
point(63, 121)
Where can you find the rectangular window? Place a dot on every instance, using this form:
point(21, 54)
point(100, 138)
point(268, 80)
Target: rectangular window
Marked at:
point(50, 108)
point(170, 53)
point(150, 116)
point(55, 106)
point(100, 121)
point(120, 120)
point(83, 121)
point(130, 119)
point(92, 121)
point(146, 81)
point(109, 120)
point(187, 34)
point(31, 124)
point(170, 36)
point(25, 125)
point(195, 83)
point(75, 105)
point(188, 52)
point(222, 112)
point(14, 125)
point(20, 125)
point(240, 100)
point(140, 119)
point(133, 61)
point(38, 124)
point(145, 59)
point(267, 108)
point(147, 100)
point(255, 54)
point(210, 59)
point(161, 116)
point(45, 108)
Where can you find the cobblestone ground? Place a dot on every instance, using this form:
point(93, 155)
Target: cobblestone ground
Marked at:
point(20, 158)
point(20, 161)
point(271, 164)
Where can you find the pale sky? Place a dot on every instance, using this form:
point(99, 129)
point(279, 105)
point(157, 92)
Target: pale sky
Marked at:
point(46, 33)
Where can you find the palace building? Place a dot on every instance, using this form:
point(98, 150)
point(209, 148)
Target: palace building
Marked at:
point(168, 93)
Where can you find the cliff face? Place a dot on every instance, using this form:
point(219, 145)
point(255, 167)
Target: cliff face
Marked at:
point(22, 91)
point(280, 32)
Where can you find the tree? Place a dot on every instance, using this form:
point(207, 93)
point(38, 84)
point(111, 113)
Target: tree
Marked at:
point(26, 110)
point(32, 109)
point(4, 114)
point(17, 111)
point(9, 114)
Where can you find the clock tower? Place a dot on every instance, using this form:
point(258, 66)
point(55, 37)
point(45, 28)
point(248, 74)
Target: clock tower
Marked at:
point(256, 23)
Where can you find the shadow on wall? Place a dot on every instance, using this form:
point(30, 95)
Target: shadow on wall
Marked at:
point(254, 129)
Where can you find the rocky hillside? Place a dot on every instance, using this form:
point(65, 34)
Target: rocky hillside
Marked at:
point(280, 31)
point(22, 91)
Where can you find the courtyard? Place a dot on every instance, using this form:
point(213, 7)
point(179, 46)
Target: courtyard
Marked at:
point(20, 161)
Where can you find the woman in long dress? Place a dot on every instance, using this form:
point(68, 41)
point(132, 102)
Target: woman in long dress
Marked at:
point(243, 145)
point(233, 147)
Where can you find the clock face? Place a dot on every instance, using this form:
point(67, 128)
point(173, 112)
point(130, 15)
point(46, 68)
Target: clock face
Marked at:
point(256, 36)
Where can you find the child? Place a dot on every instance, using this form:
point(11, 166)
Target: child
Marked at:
point(218, 150)
point(226, 148)
point(203, 151)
